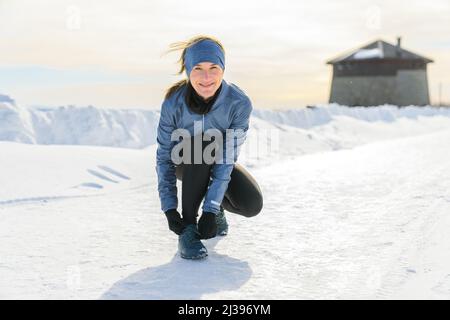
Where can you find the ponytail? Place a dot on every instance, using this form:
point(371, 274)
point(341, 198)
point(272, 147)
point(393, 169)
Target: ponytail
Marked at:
point(175, 87)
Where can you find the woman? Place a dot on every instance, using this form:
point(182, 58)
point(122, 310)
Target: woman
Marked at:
point(198, 106)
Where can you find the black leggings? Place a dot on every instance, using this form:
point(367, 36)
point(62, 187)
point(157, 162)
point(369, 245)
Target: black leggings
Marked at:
point(243, 195)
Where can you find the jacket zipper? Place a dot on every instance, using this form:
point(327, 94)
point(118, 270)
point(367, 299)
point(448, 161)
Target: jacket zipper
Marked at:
point(203, 123)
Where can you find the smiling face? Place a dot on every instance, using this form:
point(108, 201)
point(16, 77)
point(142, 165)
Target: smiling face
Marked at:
point(206, 78)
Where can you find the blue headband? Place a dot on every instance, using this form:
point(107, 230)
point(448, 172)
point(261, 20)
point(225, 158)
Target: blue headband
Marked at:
point(203, 51)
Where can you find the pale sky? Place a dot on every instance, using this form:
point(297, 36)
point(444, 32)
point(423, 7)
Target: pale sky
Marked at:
point(108, 53)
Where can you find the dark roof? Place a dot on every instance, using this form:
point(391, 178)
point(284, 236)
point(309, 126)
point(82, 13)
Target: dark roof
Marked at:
point(379, 50)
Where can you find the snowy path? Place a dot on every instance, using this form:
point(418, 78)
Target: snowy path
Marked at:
point(360, 223)
point(370, 222)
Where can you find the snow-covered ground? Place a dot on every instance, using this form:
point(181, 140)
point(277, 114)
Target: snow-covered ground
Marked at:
point(356, 205)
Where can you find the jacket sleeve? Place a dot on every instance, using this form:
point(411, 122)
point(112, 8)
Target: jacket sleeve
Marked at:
point(221, 172)
point(165, 168)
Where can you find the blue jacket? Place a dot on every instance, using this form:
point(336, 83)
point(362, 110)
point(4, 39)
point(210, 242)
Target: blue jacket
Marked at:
point(231, 110)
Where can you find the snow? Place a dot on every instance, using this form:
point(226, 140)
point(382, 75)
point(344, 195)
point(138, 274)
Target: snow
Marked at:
point(5, 98)
point(356, 205)
point(70, 125)
point(368, 54)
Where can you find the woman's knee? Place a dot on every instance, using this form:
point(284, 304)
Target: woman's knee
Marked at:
point(253, 210)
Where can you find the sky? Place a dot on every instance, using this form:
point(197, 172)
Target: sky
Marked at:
point(110, 53)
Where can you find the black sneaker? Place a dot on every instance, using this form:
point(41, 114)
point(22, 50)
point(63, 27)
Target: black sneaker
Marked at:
point(222, 224)
point(189, 244)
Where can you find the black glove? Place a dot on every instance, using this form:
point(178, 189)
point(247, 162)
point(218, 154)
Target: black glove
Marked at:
point(207, 226)
point(175, 221)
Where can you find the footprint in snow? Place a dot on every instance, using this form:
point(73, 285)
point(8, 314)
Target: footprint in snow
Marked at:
point(114, 172)
point(101, 176)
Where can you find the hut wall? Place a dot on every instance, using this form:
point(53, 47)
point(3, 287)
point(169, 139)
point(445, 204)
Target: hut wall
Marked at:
point(412, 88)
point(363, 91)
point(408, 87)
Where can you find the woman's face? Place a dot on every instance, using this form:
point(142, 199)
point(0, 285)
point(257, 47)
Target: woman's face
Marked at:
point(206, 78)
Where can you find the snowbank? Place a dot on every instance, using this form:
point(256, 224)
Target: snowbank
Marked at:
point(16, 123)
point(136, 129)
point(78, 126)
point(315, 116)
point(5, 98)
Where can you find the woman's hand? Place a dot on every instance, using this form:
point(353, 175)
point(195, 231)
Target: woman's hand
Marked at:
point(175, 221)
point(207, 226)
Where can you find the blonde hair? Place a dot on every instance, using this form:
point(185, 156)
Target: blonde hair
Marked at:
point(183, 45)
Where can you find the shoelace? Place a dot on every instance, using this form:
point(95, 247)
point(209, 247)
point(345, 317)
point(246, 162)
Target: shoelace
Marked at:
point(189, 236)
point(220, 218)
